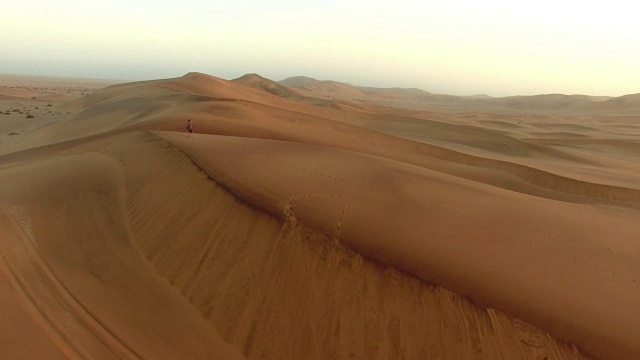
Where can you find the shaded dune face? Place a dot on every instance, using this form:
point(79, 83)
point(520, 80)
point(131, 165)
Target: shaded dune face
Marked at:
point(75, 276)
point(296, 228)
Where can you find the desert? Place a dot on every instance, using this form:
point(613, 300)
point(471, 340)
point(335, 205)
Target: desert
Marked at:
point(315, 219)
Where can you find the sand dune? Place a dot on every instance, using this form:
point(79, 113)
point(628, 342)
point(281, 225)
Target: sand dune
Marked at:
point(255, 80)
point(295, 225)
point(424, 100)
point(327, 88)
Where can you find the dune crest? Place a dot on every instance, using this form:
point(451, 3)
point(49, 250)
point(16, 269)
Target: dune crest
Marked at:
point(345, 305)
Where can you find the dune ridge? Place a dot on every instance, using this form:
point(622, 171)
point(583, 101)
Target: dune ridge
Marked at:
point(258, 259)
point(430, 253)
point(346, 133)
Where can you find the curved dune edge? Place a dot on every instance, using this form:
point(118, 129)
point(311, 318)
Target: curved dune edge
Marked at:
point(251, 277)
point(441, 234)
point(256, 279)
point(270, 289)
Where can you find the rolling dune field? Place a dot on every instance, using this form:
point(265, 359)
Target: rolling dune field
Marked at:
point(315, 220)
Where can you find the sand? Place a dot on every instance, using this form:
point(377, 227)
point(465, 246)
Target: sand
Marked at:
point(317, 220)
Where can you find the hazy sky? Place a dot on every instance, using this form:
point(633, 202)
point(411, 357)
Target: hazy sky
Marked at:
point(456, 47)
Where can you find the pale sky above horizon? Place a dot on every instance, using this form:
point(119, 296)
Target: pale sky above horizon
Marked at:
point(464, 47)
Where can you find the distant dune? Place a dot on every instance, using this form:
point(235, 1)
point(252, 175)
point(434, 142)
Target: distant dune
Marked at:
point(255, 80)
point(326, 87)
point(423, 100)
point(479, 96)
point(317, 220)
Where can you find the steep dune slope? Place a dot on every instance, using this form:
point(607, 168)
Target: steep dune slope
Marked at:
point(256, 278)
point(252, 277)
point(468, 237)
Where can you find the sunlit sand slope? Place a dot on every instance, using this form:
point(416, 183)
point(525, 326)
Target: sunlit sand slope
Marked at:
point(536, 258)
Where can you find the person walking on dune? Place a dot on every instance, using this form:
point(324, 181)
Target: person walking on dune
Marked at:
point(190, 128)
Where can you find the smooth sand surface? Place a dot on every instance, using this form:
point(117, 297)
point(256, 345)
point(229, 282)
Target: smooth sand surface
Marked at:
point(297, 225)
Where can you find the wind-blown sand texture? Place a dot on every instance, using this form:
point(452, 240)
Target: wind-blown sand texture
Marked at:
point(300, 225)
